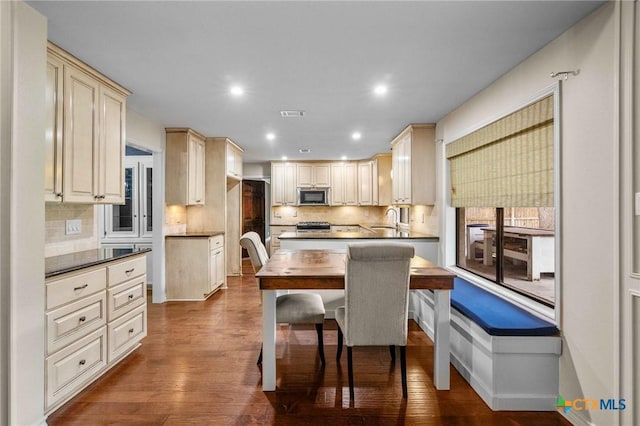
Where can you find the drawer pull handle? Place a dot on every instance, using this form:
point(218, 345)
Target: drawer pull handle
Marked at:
point(131, 297)
point(128, 271)
point(82, 362)
point(82, 287)
point(82, 319)
point(130, 330)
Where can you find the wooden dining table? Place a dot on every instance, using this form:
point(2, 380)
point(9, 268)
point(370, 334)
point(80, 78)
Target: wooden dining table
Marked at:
point(325, 269)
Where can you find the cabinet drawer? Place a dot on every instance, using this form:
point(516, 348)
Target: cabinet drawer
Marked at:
point(126, 331)
point(76, 320)
point(72, 288)
point(125, 297)
point(74, 366)
point(216, 242)
point(124, 271)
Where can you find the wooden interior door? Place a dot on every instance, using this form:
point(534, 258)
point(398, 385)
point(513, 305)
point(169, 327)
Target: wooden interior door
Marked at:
point(253, 208)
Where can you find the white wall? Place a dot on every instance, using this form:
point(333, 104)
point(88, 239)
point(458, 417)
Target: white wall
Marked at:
point(588, 204)
point(26, 217)
point(145, 133)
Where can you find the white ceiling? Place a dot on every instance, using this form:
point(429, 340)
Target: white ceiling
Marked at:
point(180, 58)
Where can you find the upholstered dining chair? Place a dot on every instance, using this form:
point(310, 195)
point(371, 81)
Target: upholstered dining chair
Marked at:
point(294, 308)
point(376, 306)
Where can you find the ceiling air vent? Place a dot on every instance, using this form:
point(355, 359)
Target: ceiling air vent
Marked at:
point(292, 113)
point(304, 150)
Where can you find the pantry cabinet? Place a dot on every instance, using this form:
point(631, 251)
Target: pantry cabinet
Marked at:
point(283, 184)
point(185, 167)
point(413, 165)
point(85, 134)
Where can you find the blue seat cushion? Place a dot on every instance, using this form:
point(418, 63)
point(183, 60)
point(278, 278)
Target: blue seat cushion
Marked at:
point(495, 315)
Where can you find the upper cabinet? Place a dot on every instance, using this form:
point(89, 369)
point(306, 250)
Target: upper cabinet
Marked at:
point(283, 184)
point(312, 175)
point(344, 184)
point(234, 160)
point(85, 135)
point(366, 187)
point(413, 165)
point(185, 167)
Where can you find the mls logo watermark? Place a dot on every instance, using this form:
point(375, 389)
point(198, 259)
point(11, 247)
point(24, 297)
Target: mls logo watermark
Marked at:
point(583, 404)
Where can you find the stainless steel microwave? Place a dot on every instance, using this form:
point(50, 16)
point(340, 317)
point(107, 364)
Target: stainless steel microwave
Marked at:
point(313, 196)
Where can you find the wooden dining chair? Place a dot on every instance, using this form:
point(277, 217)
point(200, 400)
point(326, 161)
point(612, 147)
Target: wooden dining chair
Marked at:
point(293, 308)
point(376, 306)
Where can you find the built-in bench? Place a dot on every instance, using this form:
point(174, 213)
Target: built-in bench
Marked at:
point(508, 355)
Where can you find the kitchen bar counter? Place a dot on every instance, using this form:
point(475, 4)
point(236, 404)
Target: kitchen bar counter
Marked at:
point(56, 265)
point(365, 234)
point(204, 234)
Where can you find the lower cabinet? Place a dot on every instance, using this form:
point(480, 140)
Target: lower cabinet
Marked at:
point(195, 266)
point(94, 318)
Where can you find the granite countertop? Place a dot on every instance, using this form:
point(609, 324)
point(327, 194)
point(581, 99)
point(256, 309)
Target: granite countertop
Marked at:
point(203, 234)
point(56, 265)
point(367, 234)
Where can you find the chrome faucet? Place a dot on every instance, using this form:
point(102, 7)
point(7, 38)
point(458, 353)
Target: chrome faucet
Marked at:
point(395, 216)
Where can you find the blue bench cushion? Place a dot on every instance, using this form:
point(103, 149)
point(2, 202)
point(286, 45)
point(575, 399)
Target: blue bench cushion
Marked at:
point(495, 315)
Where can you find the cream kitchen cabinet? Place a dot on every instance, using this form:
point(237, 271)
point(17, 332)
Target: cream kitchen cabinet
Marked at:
point(312, 175)
point(195, 266)
point(283, 184)
point(185, 167)
point(367, 183)
point(85, 134)
point(344, 184)
point(84, 315)
point(275, 231)
point(234, 160)
point(413, 165)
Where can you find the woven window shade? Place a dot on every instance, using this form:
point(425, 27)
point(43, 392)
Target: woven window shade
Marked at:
point(508, 163)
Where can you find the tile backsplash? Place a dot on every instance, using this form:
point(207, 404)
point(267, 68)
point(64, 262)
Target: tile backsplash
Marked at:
point(56, 240)
point(345, 215)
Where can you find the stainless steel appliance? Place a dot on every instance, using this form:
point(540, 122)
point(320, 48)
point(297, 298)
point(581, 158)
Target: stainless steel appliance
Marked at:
point(313, 196)
point(313, 227)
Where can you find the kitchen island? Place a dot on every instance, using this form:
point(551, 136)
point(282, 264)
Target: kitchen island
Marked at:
point(426, 246)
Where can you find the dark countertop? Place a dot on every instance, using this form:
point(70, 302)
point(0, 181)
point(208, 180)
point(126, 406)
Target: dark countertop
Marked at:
point(367, 234)
point(56, 265)
point(204, 234)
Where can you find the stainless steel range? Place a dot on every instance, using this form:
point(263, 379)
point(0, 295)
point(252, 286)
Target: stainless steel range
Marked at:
point(313, 227)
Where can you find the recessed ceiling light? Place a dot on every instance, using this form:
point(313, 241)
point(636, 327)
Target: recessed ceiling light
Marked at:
point(236, 90)
point(344, 157)
point(284, 158)
point(356, 136)
point(271, 136)
point(380, 89)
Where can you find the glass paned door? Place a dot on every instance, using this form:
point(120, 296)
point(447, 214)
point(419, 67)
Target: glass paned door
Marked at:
point(133, 219)
point(122, 220)
point(146, 198)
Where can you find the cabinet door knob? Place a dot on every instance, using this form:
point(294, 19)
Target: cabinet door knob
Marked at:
point(128, 271)
point(82, 287)
point(130, 330)
point(82, 319)
point(82, 362)
point(130, 296)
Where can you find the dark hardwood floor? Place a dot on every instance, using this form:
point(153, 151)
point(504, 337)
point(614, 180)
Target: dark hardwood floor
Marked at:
point(198, 366)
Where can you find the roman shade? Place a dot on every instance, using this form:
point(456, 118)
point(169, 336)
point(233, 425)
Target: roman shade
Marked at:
point(507, 163)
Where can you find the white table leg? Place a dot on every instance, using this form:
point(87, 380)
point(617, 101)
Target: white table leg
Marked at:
point(441, 344)
point(269, 340)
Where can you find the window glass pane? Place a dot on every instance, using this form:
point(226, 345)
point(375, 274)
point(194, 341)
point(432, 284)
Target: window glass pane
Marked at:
point(149, 204)
point(529, 251)
point(123, 214)
point(476, 229)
